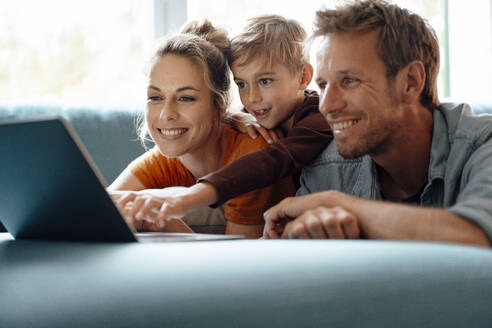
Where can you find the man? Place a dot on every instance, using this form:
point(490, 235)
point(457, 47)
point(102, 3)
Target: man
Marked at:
point(403, 166)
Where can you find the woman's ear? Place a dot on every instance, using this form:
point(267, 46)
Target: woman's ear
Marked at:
point(222, 105)
point(307, 73)
point(414, 81)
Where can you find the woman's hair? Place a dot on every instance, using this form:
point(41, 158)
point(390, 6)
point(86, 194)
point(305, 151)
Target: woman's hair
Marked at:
point(207, 46)
point(273, 37)
point(403, 37)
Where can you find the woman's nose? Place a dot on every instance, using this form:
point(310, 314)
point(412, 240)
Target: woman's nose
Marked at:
point(168, 112)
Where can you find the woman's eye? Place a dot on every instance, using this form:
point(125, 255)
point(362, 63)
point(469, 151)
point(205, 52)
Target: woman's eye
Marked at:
point(265, 81)
point(241, 85)
point(186, 99)
point(154, 98)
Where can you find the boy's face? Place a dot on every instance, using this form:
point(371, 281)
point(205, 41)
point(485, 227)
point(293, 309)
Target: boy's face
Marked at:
point(268, 92)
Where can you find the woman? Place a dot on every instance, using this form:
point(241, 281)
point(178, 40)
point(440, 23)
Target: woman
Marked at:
point(188, 91)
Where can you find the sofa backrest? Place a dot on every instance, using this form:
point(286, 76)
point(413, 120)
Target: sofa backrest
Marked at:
point(108, 133)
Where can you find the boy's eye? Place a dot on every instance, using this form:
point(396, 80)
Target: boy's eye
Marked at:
point(265, 81)
point(322, 85)
point(240, 84)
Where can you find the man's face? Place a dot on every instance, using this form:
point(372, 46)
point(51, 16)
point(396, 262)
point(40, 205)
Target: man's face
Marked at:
point(357, 98)
point(268, 92)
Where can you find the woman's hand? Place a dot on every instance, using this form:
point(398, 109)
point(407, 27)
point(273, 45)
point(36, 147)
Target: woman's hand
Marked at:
point(246, 123)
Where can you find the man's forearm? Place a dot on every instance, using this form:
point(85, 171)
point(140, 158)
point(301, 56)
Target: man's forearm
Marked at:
point(385, 220)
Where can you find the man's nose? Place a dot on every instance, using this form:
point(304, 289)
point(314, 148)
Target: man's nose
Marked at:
point(331, 101)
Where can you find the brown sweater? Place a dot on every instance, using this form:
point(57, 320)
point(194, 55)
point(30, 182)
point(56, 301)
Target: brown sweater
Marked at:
point(309, 135)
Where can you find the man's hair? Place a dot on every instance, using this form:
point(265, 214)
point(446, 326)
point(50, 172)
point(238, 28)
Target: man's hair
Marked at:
point(273, 37)
point(403, 37)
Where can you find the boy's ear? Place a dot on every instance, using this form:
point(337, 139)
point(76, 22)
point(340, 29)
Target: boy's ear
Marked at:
point(307, 73)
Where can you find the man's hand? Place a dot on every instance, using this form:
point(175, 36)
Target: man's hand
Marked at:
point(323, 222)
point(277, 217)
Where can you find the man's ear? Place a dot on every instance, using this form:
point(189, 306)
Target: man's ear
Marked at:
point(307, 73)
point(414, 81)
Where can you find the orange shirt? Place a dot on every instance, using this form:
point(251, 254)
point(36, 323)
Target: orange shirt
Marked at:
point(156, 171)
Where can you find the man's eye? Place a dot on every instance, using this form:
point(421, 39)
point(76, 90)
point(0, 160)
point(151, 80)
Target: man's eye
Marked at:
point(265, 81)
point(241, 85)
point(349, 81)
point(322, 86)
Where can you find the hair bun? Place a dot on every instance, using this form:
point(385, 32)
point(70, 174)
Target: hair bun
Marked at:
point(206, 30)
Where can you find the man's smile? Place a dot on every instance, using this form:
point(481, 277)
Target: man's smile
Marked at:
point(339, 126)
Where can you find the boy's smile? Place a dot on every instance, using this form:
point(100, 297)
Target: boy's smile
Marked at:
point(270, 93)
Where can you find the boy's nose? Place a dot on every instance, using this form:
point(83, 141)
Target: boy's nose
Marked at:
point(331, 101)
point(254, 95)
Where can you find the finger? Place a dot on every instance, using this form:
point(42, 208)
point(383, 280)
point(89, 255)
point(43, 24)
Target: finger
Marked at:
point(130, 221)
point(350, 225)
point(265, 134)
point(313, 224)
point(279, 133)
point(332, 225)
point(289, 207)
point(295, 230)
point(269, 231)
point(145, 210)
point(251, 131)
point(274, 136)
point(137, 203)
point(125, 199)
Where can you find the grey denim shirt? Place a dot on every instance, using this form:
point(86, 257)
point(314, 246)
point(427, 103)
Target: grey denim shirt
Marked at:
point(460, 168)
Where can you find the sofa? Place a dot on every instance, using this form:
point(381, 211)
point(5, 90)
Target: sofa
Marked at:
point(240, 283)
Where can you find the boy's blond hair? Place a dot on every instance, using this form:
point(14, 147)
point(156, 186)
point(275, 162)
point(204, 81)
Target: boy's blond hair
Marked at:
point(273, 37)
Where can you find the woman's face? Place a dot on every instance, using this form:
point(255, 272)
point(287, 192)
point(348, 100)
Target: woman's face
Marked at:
point(181, 116)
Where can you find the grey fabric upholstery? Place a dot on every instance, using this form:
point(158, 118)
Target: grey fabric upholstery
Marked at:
point(246, 283)
point(234, 283)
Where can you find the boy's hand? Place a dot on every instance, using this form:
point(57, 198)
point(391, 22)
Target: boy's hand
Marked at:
point(146, 207)
point(246, 123)
point(270, 136)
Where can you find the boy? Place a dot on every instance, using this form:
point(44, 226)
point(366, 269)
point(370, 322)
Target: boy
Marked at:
point(272, 71)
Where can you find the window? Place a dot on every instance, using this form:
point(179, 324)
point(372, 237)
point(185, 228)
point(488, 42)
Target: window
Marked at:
point(88, 51)
point(464, 30)
point(80, 51)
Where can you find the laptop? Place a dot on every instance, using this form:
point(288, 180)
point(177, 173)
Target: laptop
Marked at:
point(50, 189)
